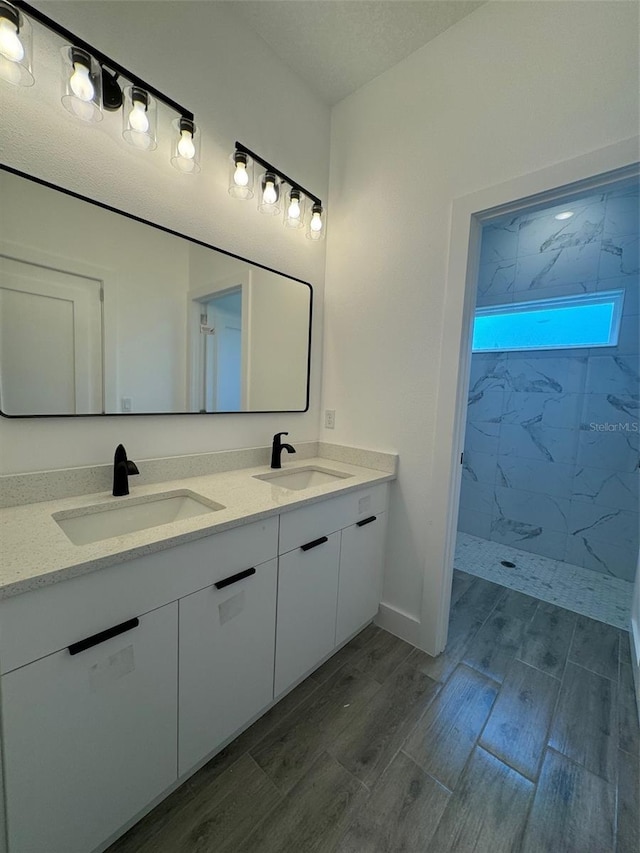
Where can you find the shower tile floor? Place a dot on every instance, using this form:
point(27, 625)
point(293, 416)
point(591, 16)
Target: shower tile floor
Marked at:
point(589, 593)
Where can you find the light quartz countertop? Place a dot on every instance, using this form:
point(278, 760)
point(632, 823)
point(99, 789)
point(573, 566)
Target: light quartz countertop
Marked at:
point(36, 552)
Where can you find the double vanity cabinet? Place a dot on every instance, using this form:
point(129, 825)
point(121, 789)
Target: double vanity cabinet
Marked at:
point(117, 684)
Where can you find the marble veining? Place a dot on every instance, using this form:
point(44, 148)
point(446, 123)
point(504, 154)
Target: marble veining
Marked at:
point(497, 278)
point(619, 256)
point(563, 266)
point(618, 488)
point(552, 450)
point(546, 233)
point(500, 241)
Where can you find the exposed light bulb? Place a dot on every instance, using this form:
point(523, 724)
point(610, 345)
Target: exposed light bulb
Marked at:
point(566, 214)
point(186, 148)
point(269, 194)
point(10, 44)
point(241, 176)
point(316, 222)
point(80, 83)
point(138, 119)
point(294, 208)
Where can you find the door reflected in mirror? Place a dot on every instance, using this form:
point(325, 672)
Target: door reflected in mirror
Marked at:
point(101, 313)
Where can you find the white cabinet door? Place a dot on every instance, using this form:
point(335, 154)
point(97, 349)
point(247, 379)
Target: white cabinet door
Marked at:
point(361, 564)
point(307, 595)
point(90, 739)
point(227, 639)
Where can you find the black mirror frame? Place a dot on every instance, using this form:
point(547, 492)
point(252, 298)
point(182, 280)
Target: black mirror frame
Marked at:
point(49, 185)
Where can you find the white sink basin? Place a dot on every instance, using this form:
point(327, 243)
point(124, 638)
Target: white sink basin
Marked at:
point(302, 478)
point(128, 515)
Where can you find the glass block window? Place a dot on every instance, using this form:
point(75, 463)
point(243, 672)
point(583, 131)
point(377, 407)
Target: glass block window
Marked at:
point(587, 320)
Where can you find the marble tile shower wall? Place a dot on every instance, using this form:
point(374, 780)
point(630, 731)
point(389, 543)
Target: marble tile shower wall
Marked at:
point(552, 443)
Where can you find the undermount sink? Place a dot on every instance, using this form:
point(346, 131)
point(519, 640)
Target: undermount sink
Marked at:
point(129, 515)
point(302, 478)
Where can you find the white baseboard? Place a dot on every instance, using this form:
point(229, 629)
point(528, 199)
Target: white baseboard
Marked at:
point(399, 623)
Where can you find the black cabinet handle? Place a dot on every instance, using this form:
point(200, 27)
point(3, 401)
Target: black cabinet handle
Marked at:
point(234, 578)
point(314, 544)
point(103, 636)
point(366, 520)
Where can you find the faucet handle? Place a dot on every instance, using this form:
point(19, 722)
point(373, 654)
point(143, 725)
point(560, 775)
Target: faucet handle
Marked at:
point(132, 468)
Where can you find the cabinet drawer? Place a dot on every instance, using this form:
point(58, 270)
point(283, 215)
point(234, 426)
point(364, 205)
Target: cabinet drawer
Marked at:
point(322, 518)
point(46, 620)
point(90, 739)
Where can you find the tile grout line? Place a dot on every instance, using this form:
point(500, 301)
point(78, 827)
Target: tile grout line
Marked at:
point(279, 793)
point(318, 686)
point(269, 731)
point(400, 749)
point(614, 681)
point(580, 766)
point(616, 814)
point(552, 715)
point(548, 746)
point(562, 682)
point(537, 669)
point(407, 736)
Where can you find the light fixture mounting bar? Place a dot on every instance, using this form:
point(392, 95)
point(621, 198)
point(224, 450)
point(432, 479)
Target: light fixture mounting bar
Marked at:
point(268, 167)
point(102, 58)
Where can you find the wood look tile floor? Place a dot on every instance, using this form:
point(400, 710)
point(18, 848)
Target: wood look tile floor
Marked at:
point(522, 737)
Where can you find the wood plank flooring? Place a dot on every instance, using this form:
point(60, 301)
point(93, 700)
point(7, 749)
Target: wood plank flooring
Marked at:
point(522, 737)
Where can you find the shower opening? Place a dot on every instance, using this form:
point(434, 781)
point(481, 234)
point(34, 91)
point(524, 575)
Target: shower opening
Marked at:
point(549, 492)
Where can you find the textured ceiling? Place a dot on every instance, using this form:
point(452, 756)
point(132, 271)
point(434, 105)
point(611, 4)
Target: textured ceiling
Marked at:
point(339, 45)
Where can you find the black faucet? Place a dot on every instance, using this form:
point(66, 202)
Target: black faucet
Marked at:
point(122, 467)
point(277, 448)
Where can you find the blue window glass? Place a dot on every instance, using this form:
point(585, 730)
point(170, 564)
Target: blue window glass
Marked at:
point(589, 320)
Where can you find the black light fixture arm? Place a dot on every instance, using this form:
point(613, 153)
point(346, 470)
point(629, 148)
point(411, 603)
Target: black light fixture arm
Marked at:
point(268, 167)
point(103, 59)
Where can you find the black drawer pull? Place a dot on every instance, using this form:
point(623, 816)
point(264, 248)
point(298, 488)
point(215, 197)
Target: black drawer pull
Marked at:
point(314, 544)
point(96, 639)
point(235, 578)
point(366, 521)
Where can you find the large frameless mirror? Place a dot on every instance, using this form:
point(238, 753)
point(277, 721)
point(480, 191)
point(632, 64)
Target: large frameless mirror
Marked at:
point(102, 313)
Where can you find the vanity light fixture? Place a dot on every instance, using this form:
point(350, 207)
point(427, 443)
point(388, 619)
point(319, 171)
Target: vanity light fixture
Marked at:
point(269, 201)
point(271, 192)
point(90, 84)
point(186, 147)
point(240, 175)
point(317, 223)
point(15, 46)
point(139, 118)
point(294, 209)
point(81, 79)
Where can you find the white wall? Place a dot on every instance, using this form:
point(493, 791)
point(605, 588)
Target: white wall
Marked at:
point(512, 88)
point(202, 56)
